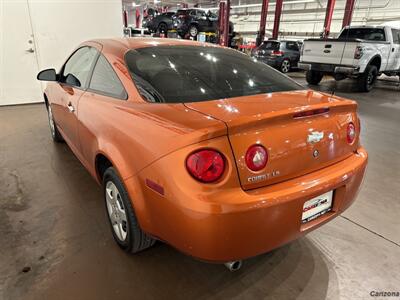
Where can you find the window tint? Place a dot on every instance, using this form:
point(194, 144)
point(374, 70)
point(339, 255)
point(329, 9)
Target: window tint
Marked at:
point(292, 46)
point(369, 34)
point(396, 36)
point(179, 74)
point(270, 46)
point(79, 65)
point(105, 81)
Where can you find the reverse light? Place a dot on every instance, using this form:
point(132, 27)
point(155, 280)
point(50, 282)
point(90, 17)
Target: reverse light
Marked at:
point(206, 165)
point(256, 157)
point(351, 133)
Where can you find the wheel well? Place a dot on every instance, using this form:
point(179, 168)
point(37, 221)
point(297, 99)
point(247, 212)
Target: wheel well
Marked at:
point(102, 163)
point(376, 61)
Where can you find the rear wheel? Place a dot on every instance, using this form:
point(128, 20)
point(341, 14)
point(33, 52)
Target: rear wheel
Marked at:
point(124, 225)
point(314, 77)
point(162, 28)
point(55, 134)
point(367, 80)
point(193, 30)
point(285, 66)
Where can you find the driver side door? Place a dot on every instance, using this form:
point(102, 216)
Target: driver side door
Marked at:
point(72, 83)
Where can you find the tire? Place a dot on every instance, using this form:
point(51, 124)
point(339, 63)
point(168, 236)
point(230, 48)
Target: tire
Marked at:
point(55, 134)
point(162, 27)
point(193, 31)
point(314, 77)
point(367, 80)
point(285, 66)
point(124, 225)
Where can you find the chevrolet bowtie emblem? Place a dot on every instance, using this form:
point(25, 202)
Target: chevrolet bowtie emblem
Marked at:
point(315, 137)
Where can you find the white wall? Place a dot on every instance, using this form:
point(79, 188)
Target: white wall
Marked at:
point(58, 27)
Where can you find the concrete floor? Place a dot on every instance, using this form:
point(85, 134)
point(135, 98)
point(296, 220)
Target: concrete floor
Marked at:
point(56, 243)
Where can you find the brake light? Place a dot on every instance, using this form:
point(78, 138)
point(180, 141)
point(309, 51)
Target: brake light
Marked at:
point(206, 165)
point(358, 53)
point(256, 157)
point(277, 53)
point(351, 133)
point(309, 113)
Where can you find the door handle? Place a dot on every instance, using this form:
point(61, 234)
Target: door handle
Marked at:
point(70, 108)
point(30, 50)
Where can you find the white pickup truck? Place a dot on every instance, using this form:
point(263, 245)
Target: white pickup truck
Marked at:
point(361, 52)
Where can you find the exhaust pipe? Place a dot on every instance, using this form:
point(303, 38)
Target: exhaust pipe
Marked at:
point(233, 265)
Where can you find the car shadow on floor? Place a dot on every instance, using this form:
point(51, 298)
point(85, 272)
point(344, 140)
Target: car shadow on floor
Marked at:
point(91, 266)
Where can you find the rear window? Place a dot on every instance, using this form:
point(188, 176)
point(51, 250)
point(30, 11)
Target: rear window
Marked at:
point(369, 34)
point(180, 74)
point(270, 46)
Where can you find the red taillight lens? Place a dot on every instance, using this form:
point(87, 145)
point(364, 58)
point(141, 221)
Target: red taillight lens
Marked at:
point(351, 133)
point(256, 157)
point(206, 165)
point(277, 53)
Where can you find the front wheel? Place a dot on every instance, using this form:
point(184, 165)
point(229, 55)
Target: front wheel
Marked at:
point(193, 30)
point(314, 77)
point(285, 66)
point(124, 224)
point(55, 134)
point(367, 80)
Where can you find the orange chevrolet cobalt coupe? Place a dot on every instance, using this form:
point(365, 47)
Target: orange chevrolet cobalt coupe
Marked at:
point(203, 147)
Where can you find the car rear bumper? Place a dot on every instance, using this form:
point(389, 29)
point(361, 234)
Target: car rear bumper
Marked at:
point(239, 224)
point(328, 68)
point(273, 62)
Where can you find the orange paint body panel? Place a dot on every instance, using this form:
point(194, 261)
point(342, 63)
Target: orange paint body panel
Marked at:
point(238, 216)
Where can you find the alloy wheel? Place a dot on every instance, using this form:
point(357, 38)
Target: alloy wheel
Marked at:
point(116, 211)
point(51, 121)
point(285, 66)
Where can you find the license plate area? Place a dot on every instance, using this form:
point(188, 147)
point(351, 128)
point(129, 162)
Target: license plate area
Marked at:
point(316, 207)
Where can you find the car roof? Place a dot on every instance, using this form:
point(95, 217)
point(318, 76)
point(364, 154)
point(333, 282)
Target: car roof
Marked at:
point(121, 45)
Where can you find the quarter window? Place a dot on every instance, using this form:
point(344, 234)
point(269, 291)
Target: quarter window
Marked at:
point(396, 36)
point(76, 70)
point(105, 81)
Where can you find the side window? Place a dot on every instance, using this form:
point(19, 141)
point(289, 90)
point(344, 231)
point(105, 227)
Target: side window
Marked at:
point(76, 70)
point(396, 36)
point(201, 14)
point(105, 81)
point(292, 46)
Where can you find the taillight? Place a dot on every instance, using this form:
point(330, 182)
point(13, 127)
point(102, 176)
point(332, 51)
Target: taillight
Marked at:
point(277, 53)
point(309, 113)
point(358, 53)
point(206, 165)
point(256, 157)
point(351, 133)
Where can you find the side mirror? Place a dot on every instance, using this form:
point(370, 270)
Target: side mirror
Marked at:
point(47, 75)
point(72, 80)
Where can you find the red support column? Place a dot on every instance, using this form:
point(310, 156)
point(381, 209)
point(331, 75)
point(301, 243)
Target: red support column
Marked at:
point(263, 23)
point(226, 22)
point(137, 15)
point(277, 20)
point(348, 13)
point(328, 18)
point(125, 18)
point(221, 22)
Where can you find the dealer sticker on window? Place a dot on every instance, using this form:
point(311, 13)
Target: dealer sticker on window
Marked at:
point(316, 207)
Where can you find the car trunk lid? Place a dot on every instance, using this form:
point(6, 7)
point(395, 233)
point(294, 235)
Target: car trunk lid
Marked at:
point(296, 143)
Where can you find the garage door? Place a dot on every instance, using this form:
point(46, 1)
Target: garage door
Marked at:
point(18, 59)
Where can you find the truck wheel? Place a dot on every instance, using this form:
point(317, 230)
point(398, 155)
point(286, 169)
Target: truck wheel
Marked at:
point(314, 77)
point(367, 80)
point(124, 224)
